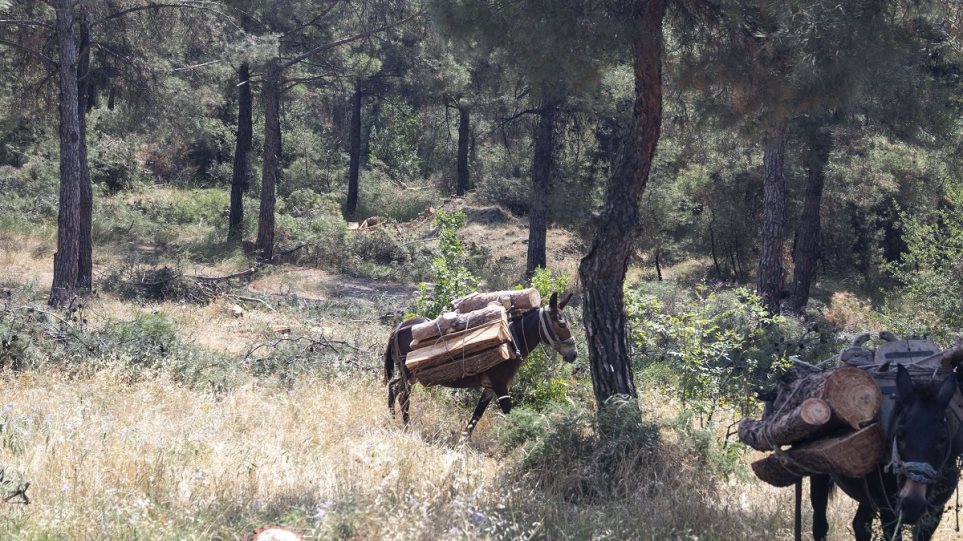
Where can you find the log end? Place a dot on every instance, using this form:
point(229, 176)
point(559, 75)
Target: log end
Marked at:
point(854, 395)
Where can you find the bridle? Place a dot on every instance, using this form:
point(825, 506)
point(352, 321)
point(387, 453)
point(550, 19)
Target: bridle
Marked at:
point(548, 334)
point(921, 472)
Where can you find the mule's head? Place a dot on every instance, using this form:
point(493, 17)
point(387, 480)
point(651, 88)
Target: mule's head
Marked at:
point(555, 328)
point(922, 443)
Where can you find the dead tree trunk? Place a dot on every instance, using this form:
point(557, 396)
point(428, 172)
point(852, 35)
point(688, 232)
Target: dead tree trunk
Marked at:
point(807, 240)
point(85, 242)
point(68, 221)
point(242, 148)
point(541, 185)
point(602, 270)
point(773, 217)
point(272, 160)
point(464, 136)
point(354, 165)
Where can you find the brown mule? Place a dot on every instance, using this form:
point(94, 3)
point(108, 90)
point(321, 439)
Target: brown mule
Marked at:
point(544, 325)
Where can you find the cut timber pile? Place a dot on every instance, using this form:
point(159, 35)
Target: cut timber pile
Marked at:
point(522, 299)
point(829, 418)
point(470, 340)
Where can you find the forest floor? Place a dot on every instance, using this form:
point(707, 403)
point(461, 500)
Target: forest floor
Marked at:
point(111, 456)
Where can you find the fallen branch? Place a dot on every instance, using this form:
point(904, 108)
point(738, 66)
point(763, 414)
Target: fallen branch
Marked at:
point(251, 299)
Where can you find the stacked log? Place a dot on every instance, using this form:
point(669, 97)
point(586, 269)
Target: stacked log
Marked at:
point(829, 418)
point(457, 345)
point(522, 299)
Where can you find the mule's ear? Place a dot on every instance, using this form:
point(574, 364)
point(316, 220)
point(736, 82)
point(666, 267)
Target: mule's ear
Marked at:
point(564, 302)
point(553, 302)
point(947, 390)
point(904, 384)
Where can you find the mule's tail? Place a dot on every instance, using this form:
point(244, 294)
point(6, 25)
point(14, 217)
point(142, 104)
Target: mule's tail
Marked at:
point(389, 361)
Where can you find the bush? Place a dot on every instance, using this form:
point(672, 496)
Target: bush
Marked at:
point(452, 279)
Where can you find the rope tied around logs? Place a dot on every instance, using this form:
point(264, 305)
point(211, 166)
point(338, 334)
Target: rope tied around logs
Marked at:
point(785, 459)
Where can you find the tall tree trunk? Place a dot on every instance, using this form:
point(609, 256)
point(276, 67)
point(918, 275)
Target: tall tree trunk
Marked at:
point(270, 170)
point(464, 137)
point(807, 239)
point(602, 270)
point(242, 147)
point(354, 165)
point(85, 243)
point(541, 185)
point(68, 221)
point(773, 216)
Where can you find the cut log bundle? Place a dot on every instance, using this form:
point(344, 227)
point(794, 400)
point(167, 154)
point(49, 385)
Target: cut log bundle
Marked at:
point(523, 299)
point(829, 418)
point(423, 333)
point(470, 366)
point(853, 454)
point(456, 346)
point(852, 394)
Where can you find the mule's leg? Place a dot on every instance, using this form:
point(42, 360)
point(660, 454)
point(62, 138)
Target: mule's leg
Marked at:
point(404, 396)
point(819, 498)
point(863, 522)
point(483, 401)
point(504, 400)
point(393, 393)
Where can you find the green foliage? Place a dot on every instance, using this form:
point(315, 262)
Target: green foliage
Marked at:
point(394, 138)
point(713, 341)
point(931, 269)
point(547, 282)
point(452, 279)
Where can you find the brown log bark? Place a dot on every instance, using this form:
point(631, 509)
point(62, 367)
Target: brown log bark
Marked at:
point(271, 166)
point(354, 164)
point(464, 135)
point(807, 239)
point(456, 346)
point(242, 148)
point(543, 162)
point(471, 366)
point(68, 220)
point(799, 424)
point(770, 277)
point(424, 333)
point(522, 299)
point(851, 393)
point(854, 454)
point(773, 471)
point(602, 270)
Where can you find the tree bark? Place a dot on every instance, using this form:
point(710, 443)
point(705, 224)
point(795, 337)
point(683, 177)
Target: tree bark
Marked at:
point(541, 185)
point(354, 166)
point(602, 270)
point(424, 333)
point(798, 424)
point(68, 221)
point(464, 137)
point(807, 240)
point(773, 216)
point(242, 148)
point(85, 243)
point(272, 160)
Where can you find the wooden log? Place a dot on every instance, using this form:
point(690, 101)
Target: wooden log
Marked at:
point(852, 394)
point(854, 454)
point(523, 299)
point(772, 471)
point(454, 347)
point(423, 333)
point(470, 366)
point(798, 425)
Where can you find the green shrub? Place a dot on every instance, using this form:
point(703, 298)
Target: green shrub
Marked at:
point(452, 279)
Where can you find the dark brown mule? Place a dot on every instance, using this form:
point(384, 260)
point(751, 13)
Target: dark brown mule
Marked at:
point(922, 471)
point(547, 324)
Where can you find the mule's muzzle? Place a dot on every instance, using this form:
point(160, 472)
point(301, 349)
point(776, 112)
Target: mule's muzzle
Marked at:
point(567, 350)
point(912, 501)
